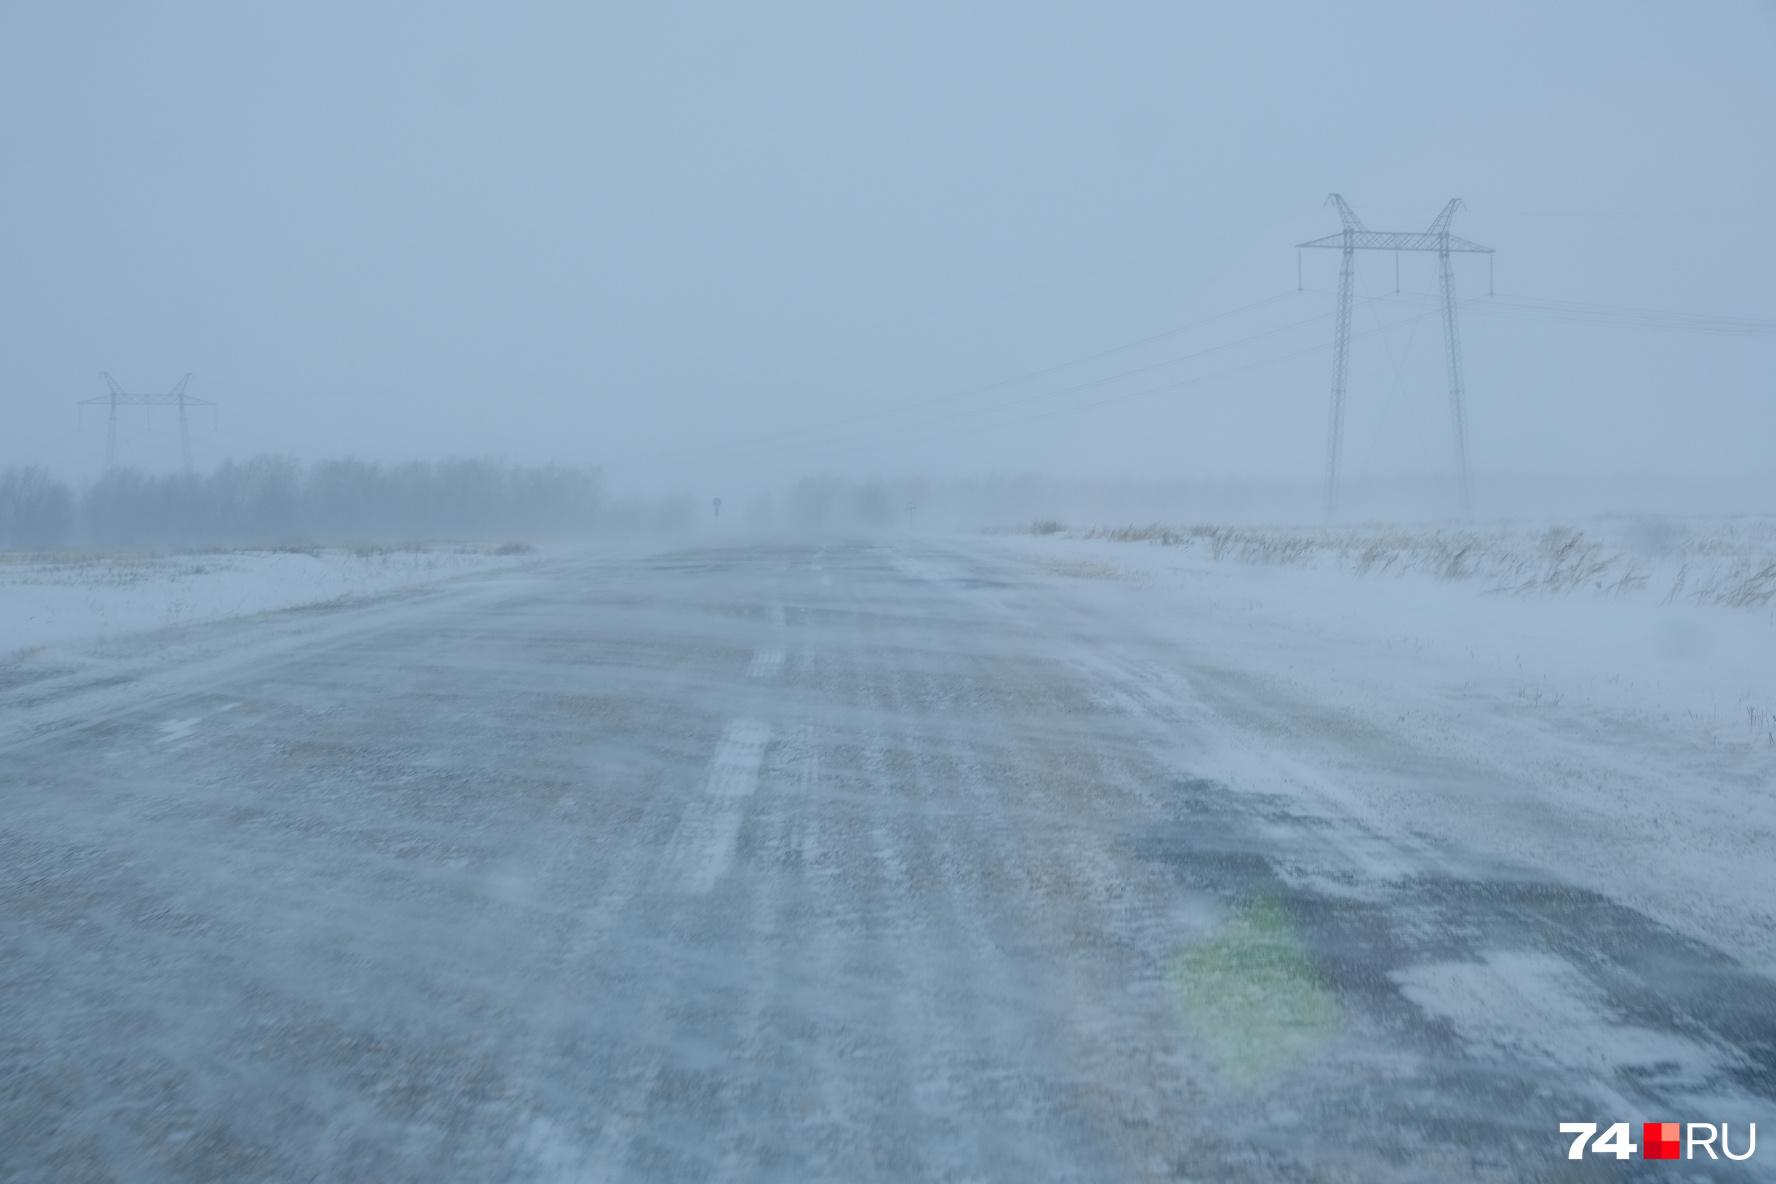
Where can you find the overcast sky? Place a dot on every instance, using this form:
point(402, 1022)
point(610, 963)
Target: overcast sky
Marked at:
point(657, 237)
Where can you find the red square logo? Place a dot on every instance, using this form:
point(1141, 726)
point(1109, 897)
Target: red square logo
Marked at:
point(1659, 1140)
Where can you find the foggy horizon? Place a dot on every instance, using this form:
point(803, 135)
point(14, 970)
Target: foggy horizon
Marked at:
point(711, 253)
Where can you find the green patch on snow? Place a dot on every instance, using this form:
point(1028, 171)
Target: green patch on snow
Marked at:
point(1252, 996)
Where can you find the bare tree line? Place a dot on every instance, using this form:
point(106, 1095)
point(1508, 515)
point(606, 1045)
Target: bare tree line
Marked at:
point(278, 500)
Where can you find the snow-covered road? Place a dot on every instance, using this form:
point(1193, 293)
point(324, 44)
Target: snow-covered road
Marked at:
point(894, 861)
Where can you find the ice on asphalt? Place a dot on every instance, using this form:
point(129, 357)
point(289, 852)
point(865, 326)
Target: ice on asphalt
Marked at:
point(1376, 732)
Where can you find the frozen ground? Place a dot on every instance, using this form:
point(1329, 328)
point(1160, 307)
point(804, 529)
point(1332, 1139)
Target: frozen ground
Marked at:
point(1009, 858)
point(58, 598)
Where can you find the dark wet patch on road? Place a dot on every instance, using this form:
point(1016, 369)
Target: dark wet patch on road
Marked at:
point(1425, 1064)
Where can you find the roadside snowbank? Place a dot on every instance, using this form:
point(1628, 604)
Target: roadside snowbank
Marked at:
point(1607, 691)
point(1673, 619)
point(1728, 561)
point(69, 598)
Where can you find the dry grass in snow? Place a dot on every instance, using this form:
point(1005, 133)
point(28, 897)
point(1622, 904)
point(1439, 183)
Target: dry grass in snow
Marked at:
point(1729, 562)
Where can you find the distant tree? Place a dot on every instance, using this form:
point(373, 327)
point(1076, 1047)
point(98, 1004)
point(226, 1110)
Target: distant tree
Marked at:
point(36, 510)
point(276, 500)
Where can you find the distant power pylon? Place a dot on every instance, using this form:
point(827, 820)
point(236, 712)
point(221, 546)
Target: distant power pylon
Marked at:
point(1357, 237)
point(118, 397)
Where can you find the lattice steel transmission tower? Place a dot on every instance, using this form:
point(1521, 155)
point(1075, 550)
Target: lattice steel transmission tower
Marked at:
point(1357, 237)
point(118, 397)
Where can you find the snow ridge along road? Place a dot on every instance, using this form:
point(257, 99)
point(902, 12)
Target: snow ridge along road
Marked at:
point(871, 862)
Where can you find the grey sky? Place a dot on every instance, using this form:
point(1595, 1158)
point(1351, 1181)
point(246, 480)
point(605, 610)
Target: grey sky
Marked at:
point(625, 234)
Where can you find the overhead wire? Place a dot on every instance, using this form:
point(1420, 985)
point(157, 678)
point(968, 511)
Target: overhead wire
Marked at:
point(1164, 388)
point(1170, 287)
point(1575, 312)
point(1107, 379)
point(726, 447)
point(768, 446)
point(1580, 313)
point(1167, 388)
point(802, 438)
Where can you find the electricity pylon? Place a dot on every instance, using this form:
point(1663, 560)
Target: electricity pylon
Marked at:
point(1357, 237)
point(118, 397)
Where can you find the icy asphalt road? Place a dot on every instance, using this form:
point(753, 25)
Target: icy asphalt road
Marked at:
point(884, 862)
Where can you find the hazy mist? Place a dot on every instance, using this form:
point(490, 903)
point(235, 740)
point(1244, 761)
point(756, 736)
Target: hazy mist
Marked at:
point(753, 593)
point(712, 249)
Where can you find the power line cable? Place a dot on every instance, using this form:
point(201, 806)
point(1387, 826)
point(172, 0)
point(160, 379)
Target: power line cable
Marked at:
point(869, 416)
point(1575, 312)
point(767, 447)
point(1118, 377)
point(1183, 384)
point(1579, 313)
point(1167, 388)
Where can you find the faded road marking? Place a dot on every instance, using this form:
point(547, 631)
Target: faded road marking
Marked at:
point(177, 729)
point(704, 845)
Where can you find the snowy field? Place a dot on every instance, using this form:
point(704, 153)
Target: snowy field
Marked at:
point(1672, 621)
point(1619, 676)
point(69, 598)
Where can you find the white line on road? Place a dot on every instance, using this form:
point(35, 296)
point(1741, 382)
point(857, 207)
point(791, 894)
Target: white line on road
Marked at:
point(703, 847)
point(177, 729)
point(765, 663)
